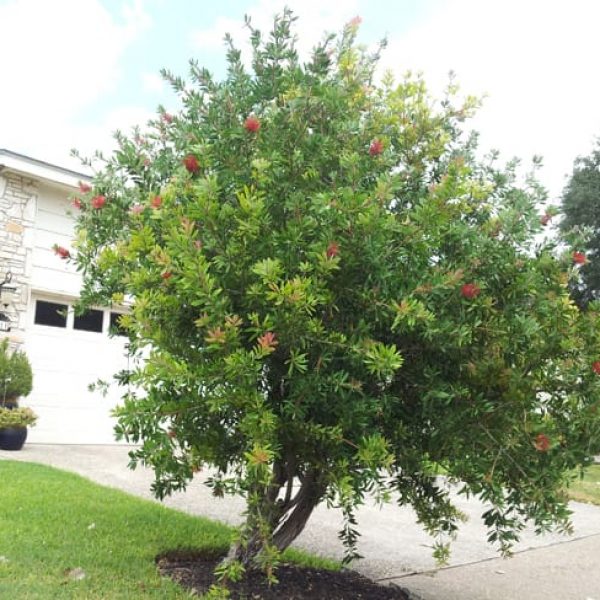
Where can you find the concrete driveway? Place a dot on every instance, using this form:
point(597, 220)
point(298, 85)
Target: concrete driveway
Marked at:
point(395, 548)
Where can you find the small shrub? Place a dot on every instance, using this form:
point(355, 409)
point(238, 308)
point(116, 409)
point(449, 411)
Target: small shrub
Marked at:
point(16, 377)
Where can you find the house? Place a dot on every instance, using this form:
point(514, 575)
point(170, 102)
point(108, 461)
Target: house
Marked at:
point(67, 352)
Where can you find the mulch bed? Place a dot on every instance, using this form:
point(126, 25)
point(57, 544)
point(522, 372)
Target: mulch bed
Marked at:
point(194, 570)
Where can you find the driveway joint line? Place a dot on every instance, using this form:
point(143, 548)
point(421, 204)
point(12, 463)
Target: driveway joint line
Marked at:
point(488, 559)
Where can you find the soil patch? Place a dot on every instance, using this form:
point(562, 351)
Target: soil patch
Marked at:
point(194, 571)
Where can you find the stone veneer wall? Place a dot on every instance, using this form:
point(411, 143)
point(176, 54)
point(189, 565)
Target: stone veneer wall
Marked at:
point(18, 197)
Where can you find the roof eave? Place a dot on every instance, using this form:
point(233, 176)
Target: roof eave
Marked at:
point(38, 169)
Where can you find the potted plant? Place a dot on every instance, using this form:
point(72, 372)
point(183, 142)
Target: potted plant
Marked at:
point(13, 427)
point(16, 378)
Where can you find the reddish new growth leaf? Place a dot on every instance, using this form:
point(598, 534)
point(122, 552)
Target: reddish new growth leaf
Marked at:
point(215, 336)
point(260, 456)
point(376, 147)
point(61, 251)
point(579, 258)
point(545, 219)
point(76, 203)
point(470, 291)
point(136, 209)
point(98, 202)
point(596, 367)
point(166, 275)
point(542, 442)
point(84, 188)
point(167, 118)
point(332, 250)
point(191, 163)
point(156, 202)
point(252, 124)
point(267, 341)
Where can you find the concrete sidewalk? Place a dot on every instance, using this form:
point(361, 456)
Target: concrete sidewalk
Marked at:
point(395, 548)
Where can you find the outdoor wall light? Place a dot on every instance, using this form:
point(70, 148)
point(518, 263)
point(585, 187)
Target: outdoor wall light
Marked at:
point(5, 321)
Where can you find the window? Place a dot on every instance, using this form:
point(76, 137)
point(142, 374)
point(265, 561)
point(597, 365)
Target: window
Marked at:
point(91, 320)
point(51, 314)
point(115, 327)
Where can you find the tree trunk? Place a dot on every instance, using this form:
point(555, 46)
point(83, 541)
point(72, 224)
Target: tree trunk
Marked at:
point(286, 517)
point(293, 521)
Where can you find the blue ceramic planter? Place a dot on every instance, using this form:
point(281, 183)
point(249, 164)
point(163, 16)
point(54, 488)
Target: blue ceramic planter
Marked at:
point(12, 438)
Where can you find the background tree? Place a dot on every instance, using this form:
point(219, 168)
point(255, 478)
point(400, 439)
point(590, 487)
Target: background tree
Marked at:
point(581, 208)
point(330, 291)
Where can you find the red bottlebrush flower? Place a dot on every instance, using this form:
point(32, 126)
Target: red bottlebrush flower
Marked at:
point(76, 203)
point(596, 367)
point(542, 442)
point(252, 124)
point(166, 275)
point(470, 291)
point(267, 341)
point(156, 202)
point(136, 209)
point(61, 251)
point(579, 258)
point(332, 250)
point(376, 147)
point(84, 188)
point(545, 219)
point(167, 118)
point(191, 163)
point(98, 202)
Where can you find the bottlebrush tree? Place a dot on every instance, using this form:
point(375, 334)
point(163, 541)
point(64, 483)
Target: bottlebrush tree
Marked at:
point(334, 298)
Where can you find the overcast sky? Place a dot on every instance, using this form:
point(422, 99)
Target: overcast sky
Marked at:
point(72, 71)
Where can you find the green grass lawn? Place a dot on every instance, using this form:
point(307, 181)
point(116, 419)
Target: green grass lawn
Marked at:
point(52, 521)
point(588, 488)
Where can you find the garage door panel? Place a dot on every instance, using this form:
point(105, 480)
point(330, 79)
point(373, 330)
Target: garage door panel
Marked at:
point(45, 372)
point(48, 393)
point(101, 363)
point(102, 366)
point(77, 425)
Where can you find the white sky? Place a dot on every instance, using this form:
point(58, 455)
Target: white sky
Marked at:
point(72, 71)
point(536, 61)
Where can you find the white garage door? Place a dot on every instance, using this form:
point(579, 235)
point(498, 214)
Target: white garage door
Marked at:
point(67, 353)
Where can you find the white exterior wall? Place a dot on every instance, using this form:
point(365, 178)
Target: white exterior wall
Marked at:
point(53, 225)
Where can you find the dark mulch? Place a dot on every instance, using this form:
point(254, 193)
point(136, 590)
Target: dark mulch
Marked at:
point(194, 571)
